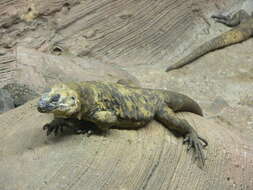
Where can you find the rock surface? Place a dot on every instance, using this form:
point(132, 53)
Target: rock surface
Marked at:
point(20, 93)
point(6, 101)
point(148, 158)
point(142, 37)
point(39, 70)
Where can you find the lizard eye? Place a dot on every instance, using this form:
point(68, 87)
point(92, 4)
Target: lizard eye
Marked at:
point(72, 97)
point(55, 98)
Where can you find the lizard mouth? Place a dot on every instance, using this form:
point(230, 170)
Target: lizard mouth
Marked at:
point(45, 110)
point(45, 107)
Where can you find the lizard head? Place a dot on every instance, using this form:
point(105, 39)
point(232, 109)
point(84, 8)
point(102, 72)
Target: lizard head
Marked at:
point(61, 100)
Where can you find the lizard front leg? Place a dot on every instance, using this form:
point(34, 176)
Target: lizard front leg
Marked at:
point(78, 126)
point(104, 119)
point(169, 119)
point(233, 21)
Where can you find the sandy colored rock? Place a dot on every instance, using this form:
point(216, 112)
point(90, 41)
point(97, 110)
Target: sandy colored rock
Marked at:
point(6, 101)
point(148, 158)
point(143, 37)
point(40, 70)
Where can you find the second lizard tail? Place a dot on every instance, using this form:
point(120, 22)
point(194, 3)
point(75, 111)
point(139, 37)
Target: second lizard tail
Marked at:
point(231, 37)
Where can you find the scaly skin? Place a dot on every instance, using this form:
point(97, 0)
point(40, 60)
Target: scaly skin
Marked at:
point(243, 30)
point(119, 105)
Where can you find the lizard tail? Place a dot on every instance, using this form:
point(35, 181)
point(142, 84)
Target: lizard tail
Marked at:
point(180, 103)
point(230, 37)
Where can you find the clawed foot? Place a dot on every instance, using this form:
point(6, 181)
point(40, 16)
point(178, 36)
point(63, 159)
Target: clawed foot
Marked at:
point(56, 128)
point(221, 18)
point(79, 127)
point(195, 142)
point(53, 128)
point(227, 20)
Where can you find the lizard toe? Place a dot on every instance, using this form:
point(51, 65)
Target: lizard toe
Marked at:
point(195, 142)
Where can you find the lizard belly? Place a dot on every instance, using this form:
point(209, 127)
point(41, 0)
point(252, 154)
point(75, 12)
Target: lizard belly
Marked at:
point(130, 124)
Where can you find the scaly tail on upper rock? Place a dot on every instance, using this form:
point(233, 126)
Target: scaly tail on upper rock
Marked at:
point(243, 30)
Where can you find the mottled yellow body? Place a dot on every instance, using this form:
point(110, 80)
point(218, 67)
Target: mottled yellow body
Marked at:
point(115, 105)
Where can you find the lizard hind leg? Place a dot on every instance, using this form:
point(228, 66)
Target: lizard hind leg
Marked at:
point(169, 119)
point(233, 21)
